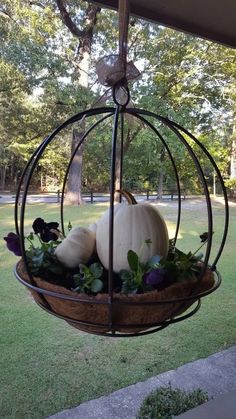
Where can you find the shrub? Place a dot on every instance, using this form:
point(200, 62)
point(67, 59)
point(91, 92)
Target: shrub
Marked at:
point(231, 186)
point(166, 401)
point(231, 183)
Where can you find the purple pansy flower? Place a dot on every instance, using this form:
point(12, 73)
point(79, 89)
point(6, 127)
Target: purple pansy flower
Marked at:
point(45, 229)
point(158, 278)
point(13, 243)
point(204, 237)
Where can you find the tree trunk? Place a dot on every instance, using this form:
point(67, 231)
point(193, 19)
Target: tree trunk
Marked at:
point(74, 193)
point(3, 171)
point(41, 180)
point(160, 185)
point(130, 136)
point(83, 54)
point(161, 175)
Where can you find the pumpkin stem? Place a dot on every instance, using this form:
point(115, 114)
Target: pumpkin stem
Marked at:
point(129, 197)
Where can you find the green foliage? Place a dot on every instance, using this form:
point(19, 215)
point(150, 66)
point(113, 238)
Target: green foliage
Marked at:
point(231, 186)
point(89, 278)
point(132, 280)
point(180, 265)
point(177, 266)
point(187, 79)
point(165, 402)
point(38, 89)
point(43, 262)
point(96, 159)
point(231, 183)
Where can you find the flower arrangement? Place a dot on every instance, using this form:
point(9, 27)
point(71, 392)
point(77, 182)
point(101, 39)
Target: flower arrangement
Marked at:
point(157, 273)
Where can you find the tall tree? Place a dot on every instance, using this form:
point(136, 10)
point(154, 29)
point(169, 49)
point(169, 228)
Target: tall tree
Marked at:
point(45, 60)
point(84, 38)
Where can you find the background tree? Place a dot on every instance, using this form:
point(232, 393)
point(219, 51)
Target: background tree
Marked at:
point(84, 39)
point(42, 47)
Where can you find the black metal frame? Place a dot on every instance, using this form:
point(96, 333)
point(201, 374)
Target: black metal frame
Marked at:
point(118, 113)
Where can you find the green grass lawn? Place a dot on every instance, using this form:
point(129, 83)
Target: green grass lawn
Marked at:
point(47, 366)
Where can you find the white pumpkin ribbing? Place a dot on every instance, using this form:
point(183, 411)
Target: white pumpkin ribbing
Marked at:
point(133, 224)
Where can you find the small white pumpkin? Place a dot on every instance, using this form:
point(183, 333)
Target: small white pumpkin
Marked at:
point(133, 224)
point(77, 247)
point(93, 227)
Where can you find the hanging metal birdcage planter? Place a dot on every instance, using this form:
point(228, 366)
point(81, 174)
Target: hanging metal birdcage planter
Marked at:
point(114, 312)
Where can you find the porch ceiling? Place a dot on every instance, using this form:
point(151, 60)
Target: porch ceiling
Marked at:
point(211, 19)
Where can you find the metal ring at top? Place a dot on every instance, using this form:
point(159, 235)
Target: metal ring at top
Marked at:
point(124, 94)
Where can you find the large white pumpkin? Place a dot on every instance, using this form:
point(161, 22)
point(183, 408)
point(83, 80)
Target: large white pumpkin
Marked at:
point(133, 224)
point(77, 247)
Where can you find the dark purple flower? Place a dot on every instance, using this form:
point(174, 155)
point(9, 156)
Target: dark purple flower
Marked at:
point(45, 230)
point(38, 225)
point(205, 236)
point(158, 278)
point(13, 243)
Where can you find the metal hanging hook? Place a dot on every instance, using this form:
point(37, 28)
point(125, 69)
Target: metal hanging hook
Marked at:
point(114, 70)
point(121, 95)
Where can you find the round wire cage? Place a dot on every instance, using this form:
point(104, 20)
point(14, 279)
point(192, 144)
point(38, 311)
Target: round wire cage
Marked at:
point(112, 313)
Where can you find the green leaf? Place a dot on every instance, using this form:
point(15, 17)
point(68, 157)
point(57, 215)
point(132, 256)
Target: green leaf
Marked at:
point(125, 275)
point(38, 259)
point(96, 285)
point(133, 260)
point(129, 288)
point(96, 269)
point(84, 269)
point(31, 236)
